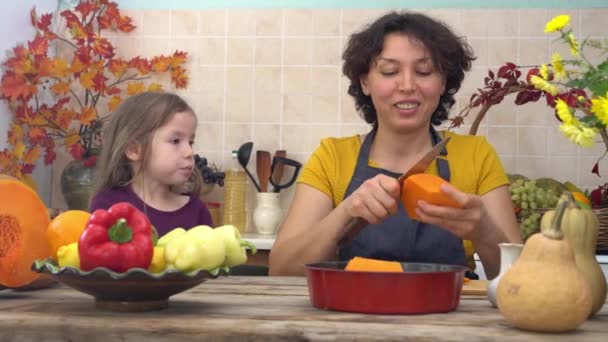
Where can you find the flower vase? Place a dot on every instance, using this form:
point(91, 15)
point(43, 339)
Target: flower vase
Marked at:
point(509, 252)
point(77, 182)
point(267, 214)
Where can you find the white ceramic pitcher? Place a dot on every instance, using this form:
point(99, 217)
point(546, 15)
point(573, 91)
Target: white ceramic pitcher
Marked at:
point(509, 252)
point(267, 214)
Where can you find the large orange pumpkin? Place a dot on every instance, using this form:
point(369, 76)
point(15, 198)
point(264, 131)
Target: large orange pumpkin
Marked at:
point(66, 228)
point(23, 223)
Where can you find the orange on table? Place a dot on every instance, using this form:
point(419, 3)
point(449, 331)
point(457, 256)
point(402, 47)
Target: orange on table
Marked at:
point(66, 228)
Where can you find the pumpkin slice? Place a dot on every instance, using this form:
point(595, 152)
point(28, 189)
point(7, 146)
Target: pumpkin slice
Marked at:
point(23, 223)
point(373, 265)
point(426, 187)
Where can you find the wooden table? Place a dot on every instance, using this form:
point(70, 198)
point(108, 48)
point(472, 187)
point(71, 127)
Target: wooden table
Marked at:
point(254, 308)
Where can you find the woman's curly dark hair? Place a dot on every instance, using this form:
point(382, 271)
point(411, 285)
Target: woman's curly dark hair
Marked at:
point(451, 55)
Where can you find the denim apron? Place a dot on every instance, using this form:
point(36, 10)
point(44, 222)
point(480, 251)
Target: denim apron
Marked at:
point(398, 237)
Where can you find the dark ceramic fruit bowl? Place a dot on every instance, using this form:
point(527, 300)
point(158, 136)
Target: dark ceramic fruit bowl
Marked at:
point(134, 290)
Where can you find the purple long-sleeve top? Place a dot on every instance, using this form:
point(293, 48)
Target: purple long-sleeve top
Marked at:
point(192, 214)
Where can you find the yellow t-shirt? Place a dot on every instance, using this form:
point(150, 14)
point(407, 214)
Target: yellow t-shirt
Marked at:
point(474, 168)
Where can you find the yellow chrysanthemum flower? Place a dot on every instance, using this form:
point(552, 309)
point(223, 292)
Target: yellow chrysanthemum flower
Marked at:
point(599, 107)
point(557, 23)
point(584, 136)
point(574, 45)
point(564, 113)
point(558, 66)
point(543, 85)
point(544, 71)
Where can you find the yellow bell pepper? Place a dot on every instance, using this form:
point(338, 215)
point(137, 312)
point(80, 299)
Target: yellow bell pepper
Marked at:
point(198, 248)
point(158, 263)
point(169, 236)
point(67, 256)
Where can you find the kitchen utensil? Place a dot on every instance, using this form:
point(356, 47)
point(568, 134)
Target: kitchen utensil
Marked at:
point(420, 288)
point(277, 173)
point(276, 161)
point(133, 290)
point(242, 156)
point(263, 169)
point(354, 226)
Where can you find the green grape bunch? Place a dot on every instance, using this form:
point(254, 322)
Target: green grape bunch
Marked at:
point(529, 197)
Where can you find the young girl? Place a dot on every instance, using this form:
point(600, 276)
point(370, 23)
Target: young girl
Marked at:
point(147, 157)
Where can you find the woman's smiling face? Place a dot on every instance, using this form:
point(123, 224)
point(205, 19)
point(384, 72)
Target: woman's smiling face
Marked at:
point(404, 84)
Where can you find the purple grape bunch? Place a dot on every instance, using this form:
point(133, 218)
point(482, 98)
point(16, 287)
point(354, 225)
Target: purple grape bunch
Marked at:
point(210, 173)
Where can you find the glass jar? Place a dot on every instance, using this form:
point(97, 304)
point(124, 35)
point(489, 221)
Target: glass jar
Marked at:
point(235, 200)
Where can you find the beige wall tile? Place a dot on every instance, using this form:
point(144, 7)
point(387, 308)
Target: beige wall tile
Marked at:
point(239, 80)
point(293, 136)
point(156, 23)
point(326, 51)
point(209, 136)
point(297, 51)
point(269, 22)
point(296, 80)
point(533, 167)
point(501, 51)
point(532, 22)
point(588, 179)
point(209, 80)
point(480, 49)
point(238, 108)
point(296, 108)
point(240, 51)
point(267, 79)
point(188, 45)
point(348, 113)
point(298, 22)
point(266, 107)
point(596, 150)
point(212, 50)
point(475, 22)
point(593, 22)
point(184, 22)
point(326, 22)
point(314, 134)
point(210, 107)
point(472, 81)
point(559, 145)
point(213, 22)
point(127, 47)
point(452, 17)
point(502, 23)
point(504, 139)
point(241, 22)
point(533, 51)
point(268, 51)
point(534, 113)
point(353, 20)
point(353, 129)
point(236, 135)
point(267, 137)
point(324, 109)
point(504, 113)
point(155, 46)
point(509, 163)
point(564, 168)
point(324, 80)
point(532, 141)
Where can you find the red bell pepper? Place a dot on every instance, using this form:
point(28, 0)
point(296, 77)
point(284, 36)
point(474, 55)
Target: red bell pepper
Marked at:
point(118, 239)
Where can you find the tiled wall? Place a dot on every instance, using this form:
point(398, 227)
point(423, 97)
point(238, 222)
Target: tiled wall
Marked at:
point(273, 76)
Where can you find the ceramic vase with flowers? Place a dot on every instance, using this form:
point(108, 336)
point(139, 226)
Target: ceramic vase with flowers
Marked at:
point(62, 85)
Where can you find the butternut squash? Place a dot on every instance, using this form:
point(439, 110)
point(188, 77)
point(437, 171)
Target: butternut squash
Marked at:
point(544, 290)
point(426, 187)
point(23, 223)
point(581, 228)
point(373, 265)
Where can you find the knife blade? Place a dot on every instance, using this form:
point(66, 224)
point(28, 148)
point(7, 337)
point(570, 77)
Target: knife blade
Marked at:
point(354, 226)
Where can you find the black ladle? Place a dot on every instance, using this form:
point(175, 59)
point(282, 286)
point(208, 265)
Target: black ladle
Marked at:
point(242, 156)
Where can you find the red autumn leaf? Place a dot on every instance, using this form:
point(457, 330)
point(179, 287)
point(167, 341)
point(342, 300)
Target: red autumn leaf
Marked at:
point(113, 91)
point(111, 19)
point(64, 117)
point(88, 114)
point(160, 63)
point(36, 135)
point(27, 168)
point(117, 67)
point(59, 68)
point(84, 55)
point(103, 48)
point(14, 87)
point(39, 46)
point(49, 154)
point(141, 64)
point(85, 8)
point(178, 58)
point(99, 82)
point(179, 77)
point(113, 103)
point(90, 162)
point(596, 169)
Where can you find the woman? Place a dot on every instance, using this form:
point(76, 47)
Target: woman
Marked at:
point(404, 70)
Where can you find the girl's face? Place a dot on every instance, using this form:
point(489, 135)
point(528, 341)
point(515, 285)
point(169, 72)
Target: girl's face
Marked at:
point(403, 83)
point(171, 159)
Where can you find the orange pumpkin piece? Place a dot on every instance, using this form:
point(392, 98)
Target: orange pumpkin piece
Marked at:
point(23, 223)
point(426, 187)
point(66, 228)
point(373, 265)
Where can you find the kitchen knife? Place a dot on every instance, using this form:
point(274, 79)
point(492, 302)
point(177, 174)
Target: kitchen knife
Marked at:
point(354, 226)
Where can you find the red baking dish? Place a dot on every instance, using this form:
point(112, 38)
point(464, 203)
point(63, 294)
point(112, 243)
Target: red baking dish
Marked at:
point(420, 288)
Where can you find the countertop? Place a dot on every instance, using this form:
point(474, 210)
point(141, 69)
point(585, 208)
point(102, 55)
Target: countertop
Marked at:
point(255, 308)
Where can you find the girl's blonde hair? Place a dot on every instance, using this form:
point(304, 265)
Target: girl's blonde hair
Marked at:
point(135, 121)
